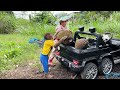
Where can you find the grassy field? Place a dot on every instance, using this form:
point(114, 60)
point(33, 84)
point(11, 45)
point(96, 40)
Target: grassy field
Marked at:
point(16, 51)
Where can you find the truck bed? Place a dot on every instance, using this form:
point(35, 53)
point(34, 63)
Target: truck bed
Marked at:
point(71, 53)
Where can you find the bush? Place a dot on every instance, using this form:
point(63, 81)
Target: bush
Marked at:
point(7, 24)
point(27, 27)
point(44, 17)
point(103, 21)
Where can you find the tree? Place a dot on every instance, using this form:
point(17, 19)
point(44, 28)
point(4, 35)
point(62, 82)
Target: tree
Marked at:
point(7, 24)
point(30, 17)
point(87, 16)
point(44, 17)
point(105, 14)
point(8, 12)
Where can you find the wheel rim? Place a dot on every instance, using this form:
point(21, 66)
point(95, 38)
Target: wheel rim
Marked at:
point(107, 66)
point(91, 72)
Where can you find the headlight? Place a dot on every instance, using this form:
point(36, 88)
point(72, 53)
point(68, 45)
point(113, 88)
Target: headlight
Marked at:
point(58, 48)
point(105, 37)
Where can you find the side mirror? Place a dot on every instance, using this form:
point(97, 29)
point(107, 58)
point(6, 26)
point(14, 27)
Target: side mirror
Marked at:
point(92, 29)
point(81, 28)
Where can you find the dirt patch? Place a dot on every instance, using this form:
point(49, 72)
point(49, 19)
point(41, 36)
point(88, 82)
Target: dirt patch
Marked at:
point(29, 72)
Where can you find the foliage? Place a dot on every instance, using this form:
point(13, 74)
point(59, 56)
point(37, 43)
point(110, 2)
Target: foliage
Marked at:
point(7, 24)
point(44, 17)
point(59, 15)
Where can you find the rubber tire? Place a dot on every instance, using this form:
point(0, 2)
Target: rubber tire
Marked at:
point(87, 66)
point(100, 66)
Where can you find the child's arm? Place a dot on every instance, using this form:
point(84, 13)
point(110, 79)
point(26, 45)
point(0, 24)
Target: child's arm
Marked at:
point(60, 41)
point(55, 35)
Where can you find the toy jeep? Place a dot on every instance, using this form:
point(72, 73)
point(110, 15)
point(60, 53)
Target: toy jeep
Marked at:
point(100, 56)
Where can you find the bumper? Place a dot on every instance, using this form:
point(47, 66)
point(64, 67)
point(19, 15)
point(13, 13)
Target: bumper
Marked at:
point(69, 64)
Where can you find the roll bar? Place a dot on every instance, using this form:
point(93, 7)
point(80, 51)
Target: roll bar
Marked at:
point(98, 37)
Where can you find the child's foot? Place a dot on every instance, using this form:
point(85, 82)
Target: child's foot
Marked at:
point(48, 76)
point(39, 72)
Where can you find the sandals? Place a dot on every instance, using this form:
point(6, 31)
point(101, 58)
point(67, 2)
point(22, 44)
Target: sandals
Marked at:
point(51, 64)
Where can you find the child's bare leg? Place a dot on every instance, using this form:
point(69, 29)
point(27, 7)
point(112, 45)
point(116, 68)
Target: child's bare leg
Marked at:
point(51, 57)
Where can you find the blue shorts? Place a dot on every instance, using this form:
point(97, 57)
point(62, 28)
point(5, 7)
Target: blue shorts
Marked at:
point(44, 61)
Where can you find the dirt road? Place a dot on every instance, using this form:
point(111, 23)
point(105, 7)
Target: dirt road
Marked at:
point(29, 72)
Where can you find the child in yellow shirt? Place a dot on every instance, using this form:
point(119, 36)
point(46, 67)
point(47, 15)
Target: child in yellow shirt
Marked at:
point(48, 44)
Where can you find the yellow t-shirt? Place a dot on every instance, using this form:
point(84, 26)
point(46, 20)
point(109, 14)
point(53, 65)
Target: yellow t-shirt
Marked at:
point(48, 44)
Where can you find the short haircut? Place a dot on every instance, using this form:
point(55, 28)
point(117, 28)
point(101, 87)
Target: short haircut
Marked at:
point(45, 36)
point(62, 21)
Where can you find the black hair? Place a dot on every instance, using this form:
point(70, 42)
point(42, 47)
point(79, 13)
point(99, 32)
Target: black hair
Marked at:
point(62, 21)
point(45, 36)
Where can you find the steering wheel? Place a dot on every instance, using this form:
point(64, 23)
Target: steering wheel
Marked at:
point(107, 37)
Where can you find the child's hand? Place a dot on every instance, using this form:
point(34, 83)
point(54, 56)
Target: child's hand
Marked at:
point(60, 41)
point(54, 37)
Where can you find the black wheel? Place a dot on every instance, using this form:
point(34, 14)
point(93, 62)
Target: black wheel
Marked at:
point(90, 71)
point(106, 66)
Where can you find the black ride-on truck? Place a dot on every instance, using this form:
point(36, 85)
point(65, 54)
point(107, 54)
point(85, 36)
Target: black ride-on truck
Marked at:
point(102, 53)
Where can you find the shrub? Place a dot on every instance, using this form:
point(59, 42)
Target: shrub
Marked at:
point(7, 24)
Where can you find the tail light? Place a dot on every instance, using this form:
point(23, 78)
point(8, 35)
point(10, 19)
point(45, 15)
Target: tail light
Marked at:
point(57, 53)
point(75, 62)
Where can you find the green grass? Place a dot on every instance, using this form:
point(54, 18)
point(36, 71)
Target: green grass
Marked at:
point(15, 49)
point(26, 27)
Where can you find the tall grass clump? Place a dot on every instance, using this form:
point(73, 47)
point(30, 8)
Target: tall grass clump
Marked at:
point(103, 21)
point(26, 27)
point(7, 24)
